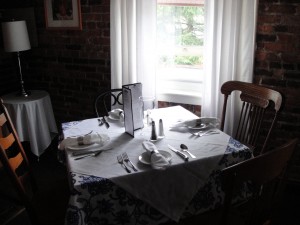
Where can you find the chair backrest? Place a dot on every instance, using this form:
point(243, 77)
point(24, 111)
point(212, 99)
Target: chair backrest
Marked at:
point(106, 99)
point(14, 159)
point(258, 170)
point(260, 107)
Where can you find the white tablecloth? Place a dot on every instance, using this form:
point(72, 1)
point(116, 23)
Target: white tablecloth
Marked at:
point(33, 118)
point(170, 190)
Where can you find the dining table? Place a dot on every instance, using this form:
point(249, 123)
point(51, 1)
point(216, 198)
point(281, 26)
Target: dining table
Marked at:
point(103, 192)
point(33, 118)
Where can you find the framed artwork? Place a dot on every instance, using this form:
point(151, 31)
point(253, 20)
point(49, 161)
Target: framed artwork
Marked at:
point(63, 14)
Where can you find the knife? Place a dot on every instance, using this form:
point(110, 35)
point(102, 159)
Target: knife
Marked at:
point(182, 155)
point(84, 152)
point(88, 155)
point(105, 122)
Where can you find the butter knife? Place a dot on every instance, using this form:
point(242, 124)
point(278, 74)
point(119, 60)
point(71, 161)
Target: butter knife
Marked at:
point(84, 152)
point(182, 155)
point(88, 155)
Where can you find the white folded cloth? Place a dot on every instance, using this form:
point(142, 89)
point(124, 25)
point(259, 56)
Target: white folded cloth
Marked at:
point(212, 122)
point(117, 114)
point(157, 160)
point(100, 139)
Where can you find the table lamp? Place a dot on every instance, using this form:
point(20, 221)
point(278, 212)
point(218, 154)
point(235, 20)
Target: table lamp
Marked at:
point(16, 39)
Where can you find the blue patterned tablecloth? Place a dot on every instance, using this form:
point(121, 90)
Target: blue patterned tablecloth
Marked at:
point(95, 200)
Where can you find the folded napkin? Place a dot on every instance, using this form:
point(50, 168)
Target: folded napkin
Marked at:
point(117, 114)
point(209, 121)
point(100, 139)
point(157, 160)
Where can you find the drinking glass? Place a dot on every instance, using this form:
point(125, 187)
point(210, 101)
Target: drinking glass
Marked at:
point(147, 103)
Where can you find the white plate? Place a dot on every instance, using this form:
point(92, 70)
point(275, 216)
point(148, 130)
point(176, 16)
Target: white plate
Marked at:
point(112, 117)
point(145, 157)
point(114, 114)
point(83, 147)
point(199, 127)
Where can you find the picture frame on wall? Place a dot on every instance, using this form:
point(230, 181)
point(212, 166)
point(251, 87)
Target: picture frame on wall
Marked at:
point(63, 14)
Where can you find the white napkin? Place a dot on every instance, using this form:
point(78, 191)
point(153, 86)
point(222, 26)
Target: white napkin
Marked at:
point(210, 121)
point(158, 161)
point(100, 139)
point(117, 114)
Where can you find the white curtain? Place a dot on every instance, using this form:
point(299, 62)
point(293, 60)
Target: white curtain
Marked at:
point(133, 41)
point(230, 27)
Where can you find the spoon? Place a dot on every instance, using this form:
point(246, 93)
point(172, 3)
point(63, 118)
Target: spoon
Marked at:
point(184, 148)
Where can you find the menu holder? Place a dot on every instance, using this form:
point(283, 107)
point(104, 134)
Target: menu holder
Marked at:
point(133, 118)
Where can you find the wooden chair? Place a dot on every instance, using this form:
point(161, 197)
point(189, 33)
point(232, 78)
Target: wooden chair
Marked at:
point(260, 107)
point(43, 206)
point(261, 172)
point(106, 99)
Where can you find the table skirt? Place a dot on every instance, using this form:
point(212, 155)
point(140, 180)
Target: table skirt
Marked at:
point(95, 200)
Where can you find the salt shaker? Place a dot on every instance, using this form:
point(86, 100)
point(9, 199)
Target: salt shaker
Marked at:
point(161, 133)
point(153, 132)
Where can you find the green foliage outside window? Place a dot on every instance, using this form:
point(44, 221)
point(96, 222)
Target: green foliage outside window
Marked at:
point(181, 27)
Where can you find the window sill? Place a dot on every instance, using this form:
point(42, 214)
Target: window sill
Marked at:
point(180, 97)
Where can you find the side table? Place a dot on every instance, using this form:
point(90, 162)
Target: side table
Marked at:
point(33, 118)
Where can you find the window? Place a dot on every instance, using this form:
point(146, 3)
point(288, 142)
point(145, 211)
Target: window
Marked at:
point(180, 28)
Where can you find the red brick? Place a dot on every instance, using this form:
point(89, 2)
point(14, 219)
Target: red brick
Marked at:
point(264, 28)
point(279, 47)
point(287, 38)
point(260, 56)
point(281, 9)
point(269, 19)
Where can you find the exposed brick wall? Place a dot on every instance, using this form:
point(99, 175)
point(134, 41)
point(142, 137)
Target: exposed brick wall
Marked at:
point(71, 65)
point(277, 65)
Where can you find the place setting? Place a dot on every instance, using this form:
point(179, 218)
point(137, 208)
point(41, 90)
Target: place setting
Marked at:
point(116, 115)
point(88, 145)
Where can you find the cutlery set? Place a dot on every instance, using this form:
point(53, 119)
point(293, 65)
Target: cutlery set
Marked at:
point(205, 133)
point(182, 155)
point(83, 154)
point(123, 159)
point(184, 148)
point(102, 121)
point(88, 155)
point(127, 160)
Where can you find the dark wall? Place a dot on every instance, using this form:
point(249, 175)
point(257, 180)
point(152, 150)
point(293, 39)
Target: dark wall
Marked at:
point(277, 65)
point(73, 65)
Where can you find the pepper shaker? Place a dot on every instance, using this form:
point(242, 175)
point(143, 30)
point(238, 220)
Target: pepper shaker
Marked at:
point(153, 132)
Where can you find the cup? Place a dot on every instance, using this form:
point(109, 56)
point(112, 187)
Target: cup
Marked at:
point(147, 103)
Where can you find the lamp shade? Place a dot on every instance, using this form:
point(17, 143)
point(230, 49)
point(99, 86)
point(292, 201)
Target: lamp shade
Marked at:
point(15, 36)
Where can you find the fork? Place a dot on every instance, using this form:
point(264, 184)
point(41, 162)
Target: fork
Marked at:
point(201, 133)
point(120, 161)
point(127, 160)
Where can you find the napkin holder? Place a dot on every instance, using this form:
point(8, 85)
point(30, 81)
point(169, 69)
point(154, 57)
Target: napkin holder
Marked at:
point(133, 119)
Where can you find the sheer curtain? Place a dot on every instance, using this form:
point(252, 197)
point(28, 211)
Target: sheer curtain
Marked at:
point(229, 47)
point(230, 27)
point(133, 41)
